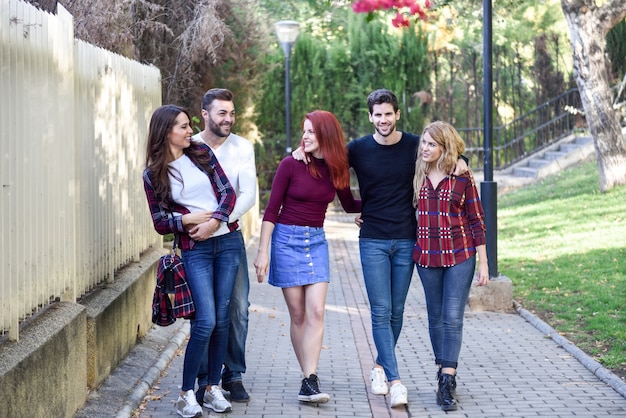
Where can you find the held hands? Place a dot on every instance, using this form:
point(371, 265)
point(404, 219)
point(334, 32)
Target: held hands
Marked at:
point(204, 230)
point(358, 220)
point(194, 218)
point(261, 264)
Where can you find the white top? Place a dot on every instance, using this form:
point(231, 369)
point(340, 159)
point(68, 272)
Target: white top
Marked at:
point(236, 156)
point(192, 193)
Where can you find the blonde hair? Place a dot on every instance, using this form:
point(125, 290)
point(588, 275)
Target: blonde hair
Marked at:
point(453, 145)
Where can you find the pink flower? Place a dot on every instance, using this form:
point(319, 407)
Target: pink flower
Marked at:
point(400, 21)
point(387, 4)
point(363, 6)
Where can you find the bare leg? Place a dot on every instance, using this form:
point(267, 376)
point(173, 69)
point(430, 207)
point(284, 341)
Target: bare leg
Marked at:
point(306, 310)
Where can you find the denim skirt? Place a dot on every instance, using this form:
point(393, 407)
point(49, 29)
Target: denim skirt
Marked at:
point(299, 256)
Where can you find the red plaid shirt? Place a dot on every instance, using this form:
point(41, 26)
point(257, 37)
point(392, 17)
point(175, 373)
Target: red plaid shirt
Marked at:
point(169, 219)
point(163, 312)
point(450, 222)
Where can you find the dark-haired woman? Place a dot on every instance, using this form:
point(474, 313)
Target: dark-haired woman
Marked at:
point(294, 219)
point(190, 196)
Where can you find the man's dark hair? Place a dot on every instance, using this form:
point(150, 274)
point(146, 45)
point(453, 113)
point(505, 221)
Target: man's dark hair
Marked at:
point(216, 94)
point(381, 96)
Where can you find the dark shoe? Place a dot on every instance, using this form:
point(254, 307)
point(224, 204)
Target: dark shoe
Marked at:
point(200, 395)
point(453, 388)
point(237, 391)
point(445, 397)
point(310, 391)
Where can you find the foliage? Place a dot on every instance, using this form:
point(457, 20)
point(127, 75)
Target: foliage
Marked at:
point(522, 59)
point(553, 246)
point(197, 44)
point(337, 74)
point(616, 50)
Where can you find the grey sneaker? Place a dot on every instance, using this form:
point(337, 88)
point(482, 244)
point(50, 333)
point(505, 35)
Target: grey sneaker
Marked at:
point(187, 406)
point(214, 399)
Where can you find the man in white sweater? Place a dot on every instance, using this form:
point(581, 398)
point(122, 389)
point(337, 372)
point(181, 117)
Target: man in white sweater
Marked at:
point(236, 156)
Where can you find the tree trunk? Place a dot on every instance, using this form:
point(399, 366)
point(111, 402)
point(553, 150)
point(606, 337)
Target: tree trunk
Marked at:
point(588, 25)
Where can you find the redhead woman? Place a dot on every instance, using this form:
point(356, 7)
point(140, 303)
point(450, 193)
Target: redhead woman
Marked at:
point(294, 219)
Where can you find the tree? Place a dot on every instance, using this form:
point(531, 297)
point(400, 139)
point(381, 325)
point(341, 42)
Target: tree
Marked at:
point(197, 44)
point(589, 24)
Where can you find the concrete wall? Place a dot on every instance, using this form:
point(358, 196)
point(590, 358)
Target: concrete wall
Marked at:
point(44, 374)
point(118, 314)
point(71, 347)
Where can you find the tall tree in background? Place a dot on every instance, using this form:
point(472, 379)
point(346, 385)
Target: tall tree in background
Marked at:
point(589, 24)
point(197, 44)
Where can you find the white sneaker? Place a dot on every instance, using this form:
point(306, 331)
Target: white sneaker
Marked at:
point(399, 395)
point(214, 399)
point(187, 405)
point(379, 381)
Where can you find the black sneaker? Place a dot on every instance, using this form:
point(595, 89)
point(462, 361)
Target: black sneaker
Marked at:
point(310, 391)
point(200, 395)
point(237, 391)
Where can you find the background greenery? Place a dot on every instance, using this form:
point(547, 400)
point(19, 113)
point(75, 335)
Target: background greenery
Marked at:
point(563, 245)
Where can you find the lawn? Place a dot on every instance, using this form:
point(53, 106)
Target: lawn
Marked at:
point(563, 245)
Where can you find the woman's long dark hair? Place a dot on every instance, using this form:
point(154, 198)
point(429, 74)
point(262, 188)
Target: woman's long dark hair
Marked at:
point(158, 155)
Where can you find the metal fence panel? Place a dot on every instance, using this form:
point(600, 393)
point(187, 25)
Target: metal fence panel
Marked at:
point(73, 122)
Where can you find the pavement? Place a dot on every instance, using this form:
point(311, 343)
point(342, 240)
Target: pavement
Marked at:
point(512, 364)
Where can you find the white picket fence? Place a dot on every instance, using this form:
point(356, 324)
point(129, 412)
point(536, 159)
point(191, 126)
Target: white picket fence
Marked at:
point(73, 123)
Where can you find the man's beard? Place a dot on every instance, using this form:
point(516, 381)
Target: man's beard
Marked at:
point(217, 129)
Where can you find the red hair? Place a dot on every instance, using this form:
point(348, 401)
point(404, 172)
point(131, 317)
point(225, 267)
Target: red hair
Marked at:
point(332, 146)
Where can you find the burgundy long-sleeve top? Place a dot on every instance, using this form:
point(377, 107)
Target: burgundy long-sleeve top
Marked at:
point(299, 199)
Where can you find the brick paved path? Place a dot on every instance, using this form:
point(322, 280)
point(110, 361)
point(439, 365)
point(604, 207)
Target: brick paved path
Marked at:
point(508, 368)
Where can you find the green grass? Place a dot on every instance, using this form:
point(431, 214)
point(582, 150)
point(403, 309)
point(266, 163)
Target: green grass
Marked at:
point(563, 245)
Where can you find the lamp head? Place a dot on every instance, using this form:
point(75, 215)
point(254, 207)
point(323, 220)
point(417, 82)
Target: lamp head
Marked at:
point(287, 31)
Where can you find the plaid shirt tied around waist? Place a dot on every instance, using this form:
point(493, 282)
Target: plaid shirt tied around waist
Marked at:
point(164, 312)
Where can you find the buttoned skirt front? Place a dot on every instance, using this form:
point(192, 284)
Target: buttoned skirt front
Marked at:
point(299, 256)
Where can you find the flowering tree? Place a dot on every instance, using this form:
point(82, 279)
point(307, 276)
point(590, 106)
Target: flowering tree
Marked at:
point(404, 9)
point(589, 22)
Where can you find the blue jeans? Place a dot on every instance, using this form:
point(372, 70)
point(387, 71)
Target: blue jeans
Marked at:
point(446, 290)
point(387, 271)
point(235, 361)
point(211, 267)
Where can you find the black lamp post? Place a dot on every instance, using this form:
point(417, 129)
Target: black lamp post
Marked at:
point(287, 32)
point(489, 188)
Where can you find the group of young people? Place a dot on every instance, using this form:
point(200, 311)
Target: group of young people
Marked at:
point(418, 206)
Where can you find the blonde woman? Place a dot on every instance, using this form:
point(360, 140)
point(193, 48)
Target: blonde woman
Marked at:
point(450, 232)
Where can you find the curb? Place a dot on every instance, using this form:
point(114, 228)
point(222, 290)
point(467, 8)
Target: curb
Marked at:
point(153, 374)
point(583, 358)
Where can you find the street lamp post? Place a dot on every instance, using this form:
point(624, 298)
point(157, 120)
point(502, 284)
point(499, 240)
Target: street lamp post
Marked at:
point(489, 188)
point(287, 32)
